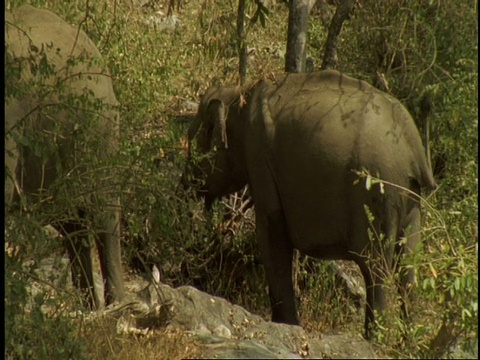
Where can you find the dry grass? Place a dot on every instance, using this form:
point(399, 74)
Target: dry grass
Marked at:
point(104, 343)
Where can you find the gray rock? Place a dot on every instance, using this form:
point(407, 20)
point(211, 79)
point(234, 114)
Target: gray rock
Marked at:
point(228, 331)
point(159, 23)
point(222, 331)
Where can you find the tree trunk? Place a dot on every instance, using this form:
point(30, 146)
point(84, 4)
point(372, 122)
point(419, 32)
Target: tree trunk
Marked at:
point(297, 36)
point(344, 9)
point(242, 49)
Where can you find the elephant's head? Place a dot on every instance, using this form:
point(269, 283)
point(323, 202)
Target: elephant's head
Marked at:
point(215, 146)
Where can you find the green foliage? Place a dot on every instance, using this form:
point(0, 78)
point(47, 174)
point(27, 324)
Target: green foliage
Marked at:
point(260, 14)
point(189, 247)
point(37, 325)
point(34, 335)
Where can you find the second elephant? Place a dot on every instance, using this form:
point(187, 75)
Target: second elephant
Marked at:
point(61, 134)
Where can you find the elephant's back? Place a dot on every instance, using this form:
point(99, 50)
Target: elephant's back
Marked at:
point(44, 27)
point(34, 34)
point(390, 144)
point(335, 120)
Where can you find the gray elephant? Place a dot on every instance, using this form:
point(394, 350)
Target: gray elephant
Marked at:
point(61, 129)
point(299, 141)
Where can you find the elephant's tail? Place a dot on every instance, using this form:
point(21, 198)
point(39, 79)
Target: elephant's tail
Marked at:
point(428, 180)
point(426, 109)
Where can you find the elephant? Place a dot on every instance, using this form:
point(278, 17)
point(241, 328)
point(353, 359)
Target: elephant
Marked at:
point(301, 142)
point(62, 126)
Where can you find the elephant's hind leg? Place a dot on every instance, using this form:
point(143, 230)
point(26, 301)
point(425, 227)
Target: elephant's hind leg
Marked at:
point(369, 307)
point(79, 251)
point(374, 260)
point(406, 284)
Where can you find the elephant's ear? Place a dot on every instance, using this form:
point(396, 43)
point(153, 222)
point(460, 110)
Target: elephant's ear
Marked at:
point(217, 114)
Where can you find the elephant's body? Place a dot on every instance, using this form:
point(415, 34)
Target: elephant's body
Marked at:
point(298, 144)
point(330, 125)
point(64, 104)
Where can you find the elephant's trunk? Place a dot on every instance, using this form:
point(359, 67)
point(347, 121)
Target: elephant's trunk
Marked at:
point(185, 182)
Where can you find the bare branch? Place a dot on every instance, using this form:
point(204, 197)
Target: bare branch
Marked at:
point(343, 12)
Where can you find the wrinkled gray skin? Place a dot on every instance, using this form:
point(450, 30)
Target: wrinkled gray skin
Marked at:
point(29, 31)
point(296, 143)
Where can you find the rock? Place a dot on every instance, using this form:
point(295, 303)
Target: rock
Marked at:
point(225, 330)
point(160, 23)
point(343, 346)
point(348, 282)
point(222, 331)
point(219, 328)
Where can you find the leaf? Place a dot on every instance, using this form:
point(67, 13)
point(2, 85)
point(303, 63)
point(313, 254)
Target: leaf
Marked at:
point(24, 140)
point(34, 48)
point(255, 16)
point(382, 188)
point(457, 284)
point(38, 150)
point(368, 182)
point(466, 313)
point(432, 269)
point(260, 13)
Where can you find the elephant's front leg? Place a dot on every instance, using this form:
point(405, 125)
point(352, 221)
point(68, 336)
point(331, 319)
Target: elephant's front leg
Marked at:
point(109, 249)
point(277, 252)
point(79, 251)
